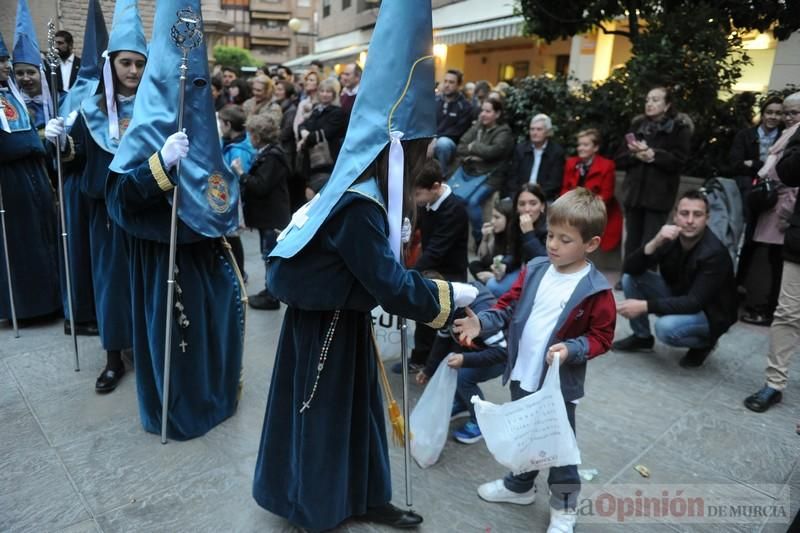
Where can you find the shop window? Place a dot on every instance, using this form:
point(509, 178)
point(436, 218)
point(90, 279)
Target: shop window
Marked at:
point(514, 71)
point(364, 5)
point(562, 64)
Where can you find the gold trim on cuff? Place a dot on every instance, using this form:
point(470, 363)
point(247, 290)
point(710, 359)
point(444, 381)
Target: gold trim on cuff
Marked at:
point(445, 304)
point(159, 173)
point(69, 156)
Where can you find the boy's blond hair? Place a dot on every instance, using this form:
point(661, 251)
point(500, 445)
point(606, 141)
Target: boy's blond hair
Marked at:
point(581, 209)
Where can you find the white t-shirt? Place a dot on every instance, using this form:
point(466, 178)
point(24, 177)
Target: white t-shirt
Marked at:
point(552, 296)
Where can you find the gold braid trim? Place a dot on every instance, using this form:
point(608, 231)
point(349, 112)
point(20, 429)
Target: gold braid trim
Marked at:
point(445, 304)
point(70, 155)
point(159, 173)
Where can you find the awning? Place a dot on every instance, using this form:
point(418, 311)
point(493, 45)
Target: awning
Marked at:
point(339, 53)
point(487, 30)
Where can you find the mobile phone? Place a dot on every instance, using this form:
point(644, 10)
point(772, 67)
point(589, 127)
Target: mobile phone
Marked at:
point(630, 138)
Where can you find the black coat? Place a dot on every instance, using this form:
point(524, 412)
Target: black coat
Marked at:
point(551, 169)
point(332, 121)
point(265, 190)
point(287, 140)
point(701, 279)
point(73, 75)
point(654, 186)
point(745, 147)
point(444, 239)
point(788, 170)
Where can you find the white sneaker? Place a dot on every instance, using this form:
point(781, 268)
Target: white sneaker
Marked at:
point(562, 521)
point(496, 491)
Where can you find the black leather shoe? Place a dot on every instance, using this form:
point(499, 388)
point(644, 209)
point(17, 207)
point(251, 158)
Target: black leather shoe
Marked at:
point(392, 516)
point(87, 329)
point(695, 357)
point(109, 379)
point(763, 399)
point(262, 300)
point(634, 344)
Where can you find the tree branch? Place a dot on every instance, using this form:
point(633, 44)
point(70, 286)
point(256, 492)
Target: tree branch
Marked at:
point(599, 24)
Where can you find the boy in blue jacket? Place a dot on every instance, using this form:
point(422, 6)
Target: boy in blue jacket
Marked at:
point(561, 306)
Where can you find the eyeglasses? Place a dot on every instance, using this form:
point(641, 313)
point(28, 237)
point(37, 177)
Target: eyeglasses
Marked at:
point(792, 112)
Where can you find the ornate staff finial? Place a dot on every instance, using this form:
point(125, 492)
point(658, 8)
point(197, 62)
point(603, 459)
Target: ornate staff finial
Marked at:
point(52, 51)
point(187, 31)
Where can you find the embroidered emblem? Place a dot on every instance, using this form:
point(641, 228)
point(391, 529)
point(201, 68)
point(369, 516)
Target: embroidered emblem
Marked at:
point(217, 194)
point(10, 110)
point(123, 125)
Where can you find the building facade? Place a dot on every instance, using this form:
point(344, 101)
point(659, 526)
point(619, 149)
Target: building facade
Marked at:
point(485, 40)
point(70, 15)
point(262, 26)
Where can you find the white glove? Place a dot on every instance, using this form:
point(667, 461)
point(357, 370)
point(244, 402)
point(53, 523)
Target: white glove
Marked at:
point(405, 231)
point(175, 148)
point(55, 130)
point(463, 294)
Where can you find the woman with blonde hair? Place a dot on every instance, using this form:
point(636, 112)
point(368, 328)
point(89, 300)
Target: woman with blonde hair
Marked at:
point(308, 99)
point(327, 122)
point(261, 103)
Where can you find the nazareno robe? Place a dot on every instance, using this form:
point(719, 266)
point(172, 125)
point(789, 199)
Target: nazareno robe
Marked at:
point(30, 219)
point(89, 148)
point(206, 347)
point(331, 462)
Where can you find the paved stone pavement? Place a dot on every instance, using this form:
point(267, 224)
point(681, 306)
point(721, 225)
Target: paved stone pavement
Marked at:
point(73, 461)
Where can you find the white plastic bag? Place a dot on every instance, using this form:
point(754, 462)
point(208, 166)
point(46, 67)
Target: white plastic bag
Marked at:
point(530, 433)
point(430, 420)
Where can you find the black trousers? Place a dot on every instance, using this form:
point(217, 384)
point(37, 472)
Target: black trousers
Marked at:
point(641, 225)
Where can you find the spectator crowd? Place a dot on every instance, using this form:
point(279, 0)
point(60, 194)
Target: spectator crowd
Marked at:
point(482, 208)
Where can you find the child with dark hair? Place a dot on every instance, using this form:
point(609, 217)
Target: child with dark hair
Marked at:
point(442, 221)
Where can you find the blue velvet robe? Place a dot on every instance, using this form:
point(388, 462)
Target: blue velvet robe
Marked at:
point(108, 244)
point(76, 213)
point(331, 462)
point(30, 219)
point(204, 379)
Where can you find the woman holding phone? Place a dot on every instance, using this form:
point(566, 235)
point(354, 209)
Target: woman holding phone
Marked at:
point(654, 154)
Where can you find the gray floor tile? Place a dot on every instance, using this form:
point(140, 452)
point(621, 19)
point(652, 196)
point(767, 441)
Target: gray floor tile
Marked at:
point(123, 463)
point(717, 439)
point(35, 493)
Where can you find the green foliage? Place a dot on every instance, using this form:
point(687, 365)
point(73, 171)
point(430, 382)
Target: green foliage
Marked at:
point(233, 56)
point(688, 47)
point(556, 19)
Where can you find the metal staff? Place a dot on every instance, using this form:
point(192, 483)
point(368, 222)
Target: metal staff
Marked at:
point(406, 416)
point(52, 57)
point(5, 250)
point(187, 35)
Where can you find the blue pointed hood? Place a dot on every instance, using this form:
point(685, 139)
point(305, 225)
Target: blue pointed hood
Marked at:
point(26, 45)
point(95, 41)
point(127, 32)
point(209, 194)
point(3, 47)
point(396, 94)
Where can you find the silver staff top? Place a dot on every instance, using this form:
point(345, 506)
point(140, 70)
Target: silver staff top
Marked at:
point(52, 52)
point(187, 31)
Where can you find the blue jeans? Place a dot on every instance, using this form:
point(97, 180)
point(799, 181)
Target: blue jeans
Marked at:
point(443, 153)
point(475, 211)
point(269, 238)
point(682, 331)
point(499, 288)
point(467, 386)
point(564, 481)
